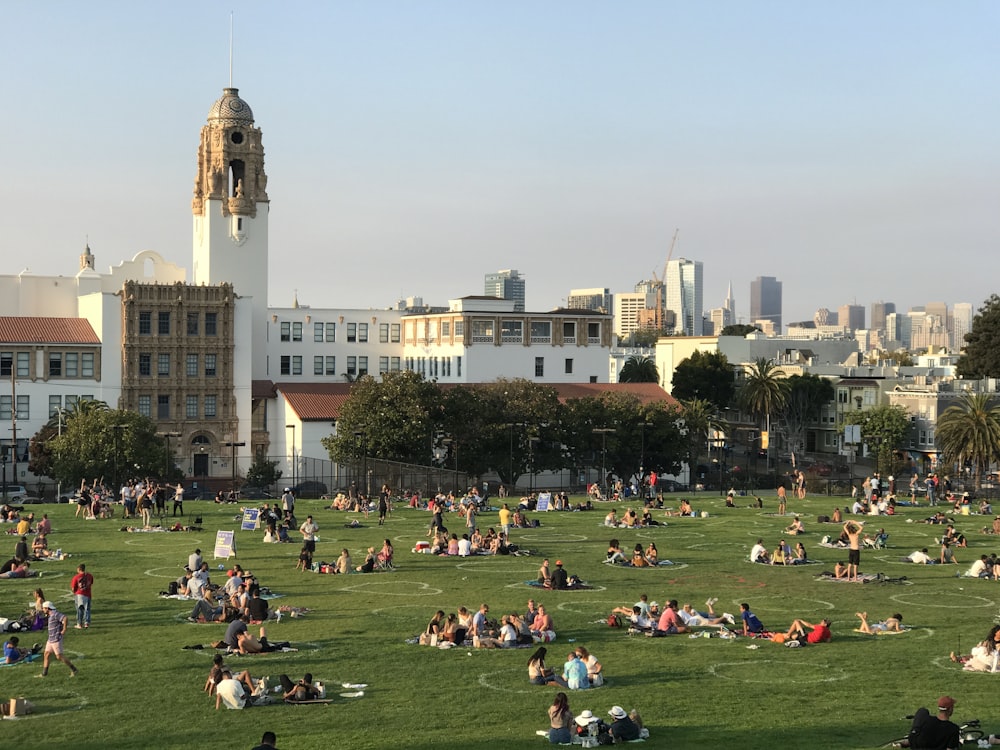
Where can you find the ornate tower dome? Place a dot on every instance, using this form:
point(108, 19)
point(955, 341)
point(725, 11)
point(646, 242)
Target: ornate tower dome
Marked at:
point(229, 109)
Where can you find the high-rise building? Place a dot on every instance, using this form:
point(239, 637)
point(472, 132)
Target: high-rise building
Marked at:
point(824, 317)
point(962, 316)
point(765, 300)
point(629, 307)
point(599, 299)
point(879, 311)
point(898, 329)
point(506, 284)
point(683, 281)
point(852, 316)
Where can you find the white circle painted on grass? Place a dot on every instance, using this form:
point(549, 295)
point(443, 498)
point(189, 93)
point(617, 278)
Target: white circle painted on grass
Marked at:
point(605, 604)
point(556, 537)
point(44, 574)
point(794, 672)
point(944, 601)
point(413, 588)
point(41, 706)
point(145, 537)
point(389, 611)
point(545, 592)
point(686, 535)
point(494, 565)
point(486, 679)
point(791, 604)
point(176, 572)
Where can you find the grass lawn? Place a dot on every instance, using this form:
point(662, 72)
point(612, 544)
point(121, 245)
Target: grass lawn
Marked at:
point(138, 688)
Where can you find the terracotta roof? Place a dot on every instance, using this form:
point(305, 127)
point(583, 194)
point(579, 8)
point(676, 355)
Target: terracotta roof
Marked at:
point(26, 330)
point(321, 402)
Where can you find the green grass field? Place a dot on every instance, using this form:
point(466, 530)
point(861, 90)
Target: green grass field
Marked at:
point(138, 688)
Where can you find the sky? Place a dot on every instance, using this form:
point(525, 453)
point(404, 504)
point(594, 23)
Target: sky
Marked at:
point(849, 148)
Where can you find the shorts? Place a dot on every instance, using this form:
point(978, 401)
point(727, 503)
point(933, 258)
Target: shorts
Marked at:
point(54, 647)
point(310, 545)
point(854, 557)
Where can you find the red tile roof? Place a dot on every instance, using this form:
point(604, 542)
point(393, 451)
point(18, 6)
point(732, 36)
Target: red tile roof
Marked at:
point(321, 402)
point(26, 330)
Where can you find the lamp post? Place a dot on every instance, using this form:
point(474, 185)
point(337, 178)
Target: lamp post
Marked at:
point(532, 441)
point(168, 458)
point(642, 458)
point(59, 416)
point(603, 432)
point(362, 439)
point(234, 446)
point(294, 468)
point(118, 433)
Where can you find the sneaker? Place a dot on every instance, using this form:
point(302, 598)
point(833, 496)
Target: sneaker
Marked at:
point(78, 626)
point(41, 676)
point(73, 673)
point(192, 619)
point(729, 618)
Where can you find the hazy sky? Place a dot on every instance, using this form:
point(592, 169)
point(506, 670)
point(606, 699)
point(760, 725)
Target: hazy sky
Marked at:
point(850, 148)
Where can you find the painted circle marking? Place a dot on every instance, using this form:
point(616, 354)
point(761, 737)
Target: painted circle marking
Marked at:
point(422, 589)
point(945, 601)
point(794, 672)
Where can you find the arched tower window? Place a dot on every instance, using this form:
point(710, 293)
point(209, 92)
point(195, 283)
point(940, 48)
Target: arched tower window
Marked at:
point(237, 170)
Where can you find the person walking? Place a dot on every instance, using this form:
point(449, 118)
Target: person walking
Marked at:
point(81, 585)
point(178, 499)
point(54, 644)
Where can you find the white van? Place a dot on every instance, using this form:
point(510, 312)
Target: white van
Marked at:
point(16, 492)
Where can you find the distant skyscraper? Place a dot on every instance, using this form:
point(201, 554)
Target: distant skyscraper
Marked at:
point(730, 307)
point(824, 317)
point(765, 300)
point(590, 299)
point(852, 316)
point(506, 284)
point(962, 316)
point(899, 328)
point(683, 282)
point(879, 311)
point(628, 308)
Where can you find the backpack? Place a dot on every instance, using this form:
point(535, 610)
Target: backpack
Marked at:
point(614, 621)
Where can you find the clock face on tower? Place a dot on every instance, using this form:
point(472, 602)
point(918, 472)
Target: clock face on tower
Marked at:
point(236, 137)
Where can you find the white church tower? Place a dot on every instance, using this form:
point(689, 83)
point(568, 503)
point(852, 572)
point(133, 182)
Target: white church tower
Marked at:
point(230, 208)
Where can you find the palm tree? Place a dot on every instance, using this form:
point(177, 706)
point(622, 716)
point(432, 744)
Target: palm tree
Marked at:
point(639, 370)
point(700, 417)
point(969, 432)
point(764, 391)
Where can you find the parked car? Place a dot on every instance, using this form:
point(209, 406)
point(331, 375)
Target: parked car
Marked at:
point(670, 485)
point(256, 493)
point(309, 489)
point(16, 492)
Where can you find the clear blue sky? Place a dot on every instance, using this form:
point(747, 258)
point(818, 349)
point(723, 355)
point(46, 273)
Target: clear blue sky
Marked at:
point(849, 147)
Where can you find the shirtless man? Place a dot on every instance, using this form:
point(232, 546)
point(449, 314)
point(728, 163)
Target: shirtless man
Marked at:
point(853, 530)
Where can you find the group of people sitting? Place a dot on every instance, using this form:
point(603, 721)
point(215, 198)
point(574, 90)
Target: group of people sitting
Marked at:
point(632, 520)
point(783, 554)
point(240, 596)
point(512, 631)
point(453, 545)
point(640, 558)
point(240, 690)
point(581, 670)
point(19, 564)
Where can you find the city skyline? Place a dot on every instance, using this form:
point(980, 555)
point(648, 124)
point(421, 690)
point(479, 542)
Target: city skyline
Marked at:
point(841, 148)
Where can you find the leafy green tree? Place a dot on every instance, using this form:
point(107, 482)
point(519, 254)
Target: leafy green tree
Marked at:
point(806, 396)
point(882, 430)
point(739, 329)
point(393, 418)
point(969, 432)
point(900, 357)
point(645, 336)
point(705, 375)
point(764, 390)
point(102, 443)
point(700, 418)
point(639, 370)
point(981, 358)
point(263, 473)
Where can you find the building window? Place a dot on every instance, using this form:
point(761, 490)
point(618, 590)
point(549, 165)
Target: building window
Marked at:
point(210, 360)
point(210, 408)
point(394, 333)
point(191, 367)
point(459, 329)
point(331, 365)
point(163, 323)
point(191, 407)
point(482, 332)
point(541, 332)
point(297, 331)
point(211, 324)
point(6, 364)
point(458, 366)
point(286, 364)
point(286, 331)
point(23, 407)
point(297, 365)
point(841, 395)
point(55, 364)
point(569, 366)
point(87, 365)
point(362, 366)
point(145, 365)
point(352, 366)
point(352, 332)
point(539, 367)
point(72, 365)
point(445, 329)
point(593, 333)
point(162, 365)
point(383, 365)
point(55, 404)
point(511, 331)
point(163, 407)
point(569, 331)
point(192, 324)
point(146, 406)
point(383, 333)
point(331, 332)
point(394, 364)
point(318, 365)
point(363, 333)
point(145, 323)
point(72, 401)
point(5, 408)
point(318, 332)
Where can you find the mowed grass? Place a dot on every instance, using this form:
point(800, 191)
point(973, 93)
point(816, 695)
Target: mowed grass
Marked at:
point(138, 688)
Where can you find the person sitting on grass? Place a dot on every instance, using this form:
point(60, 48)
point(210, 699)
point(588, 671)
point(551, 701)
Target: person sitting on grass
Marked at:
point(343, 564)
point(947, 554)
point(560, 721)
point(611, 519)
point(622, 729)
point(639, 558)
point(538, 673)
point(759, 554)
point(231, 692)
point(892, 624)
point(303, 690)
point(368, 566)
point(818, 632)
point(640, 622)
point(652, 555)
point(13, 653)
point(545, 574)
point(692, 618)
point(751, 623)
point(305, 559)
point(560, 578)
point(980, 568)
point(575, 672)
point(670, 622)
point(215, 676)
point(615, 554)
point(840, 570)
point(795, 527)
point(782, 554)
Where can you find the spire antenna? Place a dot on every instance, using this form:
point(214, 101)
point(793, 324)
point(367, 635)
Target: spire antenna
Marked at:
point(231, 49)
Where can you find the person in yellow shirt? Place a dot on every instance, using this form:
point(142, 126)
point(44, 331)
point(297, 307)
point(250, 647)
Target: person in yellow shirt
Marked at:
point(505, 516)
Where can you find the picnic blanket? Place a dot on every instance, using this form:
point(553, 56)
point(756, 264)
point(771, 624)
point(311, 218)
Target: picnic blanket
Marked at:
point(584, 586)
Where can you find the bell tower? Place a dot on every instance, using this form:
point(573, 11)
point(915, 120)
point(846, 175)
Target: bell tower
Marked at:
point(230, 208)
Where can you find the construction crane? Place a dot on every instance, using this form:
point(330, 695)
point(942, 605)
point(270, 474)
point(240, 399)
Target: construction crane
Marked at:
point(670, 254)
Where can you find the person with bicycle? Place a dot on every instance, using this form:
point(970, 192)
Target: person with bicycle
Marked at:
point(935, 732)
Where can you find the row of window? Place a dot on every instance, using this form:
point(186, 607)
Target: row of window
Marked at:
point(194, 322)
point(388, 333)
point(191, 365)
point(23, 404)
point(434, 367)
point(540, 366)
point(60, 364)
point(511, 331)
point(194, 407)
point(57, 402)
point(356, 366)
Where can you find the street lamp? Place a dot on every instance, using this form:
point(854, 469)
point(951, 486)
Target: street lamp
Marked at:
point(603, 432)
point(59, 415)
point(118, 432)
point(234, 446)
point(292, 428)
point(532, 442)
point(642, 457)
point(168, 459)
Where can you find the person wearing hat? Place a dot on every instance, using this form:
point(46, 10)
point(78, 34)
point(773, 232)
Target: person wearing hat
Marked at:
point(622, 729)
point(588, 725)
point(54, 645)
point(560, 578)
point(935, 732)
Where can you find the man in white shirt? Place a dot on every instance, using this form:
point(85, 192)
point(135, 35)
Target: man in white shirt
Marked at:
point(308, 530)
point(920, 557)
point(979, 569)
point(464, 546)
point(759, 553)
point(230, 692)
point(194, 560)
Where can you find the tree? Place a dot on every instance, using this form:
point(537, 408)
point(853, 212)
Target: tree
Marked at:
point(705, 375)
point(805, 399)
point(645, 336)
point(900, 357)
point(263, 473)
point(393, 418)
point(739, 329)
point(764, 390)
point(639, 370)
point(882, 430)
point(981, 358)
point(700, 418)
point(969, 432)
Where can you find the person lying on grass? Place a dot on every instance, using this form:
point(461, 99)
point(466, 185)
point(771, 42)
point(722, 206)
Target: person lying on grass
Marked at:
point(13, 653)
point(892, 624)
point(303, 690)
point(818, 632)
point(692, 618)
point(215, 676)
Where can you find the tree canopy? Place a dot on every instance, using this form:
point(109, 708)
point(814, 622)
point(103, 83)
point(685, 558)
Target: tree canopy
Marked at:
point(969, 432)
point(805, 397)
point(705, 375)
point(738, 329)
point(981, 358)
point(639, 370)
point(882, 429)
